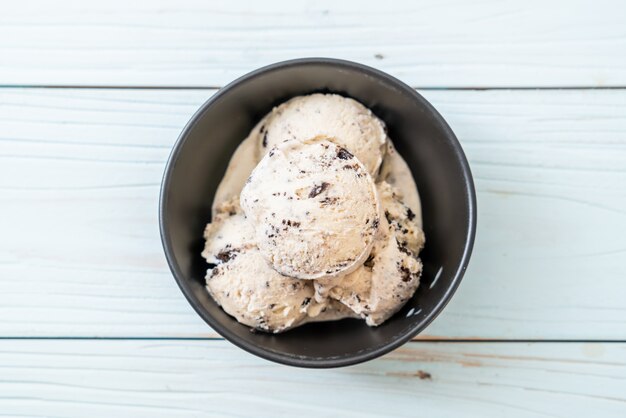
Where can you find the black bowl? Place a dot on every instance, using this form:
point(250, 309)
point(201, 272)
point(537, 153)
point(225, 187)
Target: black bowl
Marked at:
point(422, 137)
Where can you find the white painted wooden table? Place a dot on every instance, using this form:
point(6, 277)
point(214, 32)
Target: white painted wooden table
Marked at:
point(92, 97)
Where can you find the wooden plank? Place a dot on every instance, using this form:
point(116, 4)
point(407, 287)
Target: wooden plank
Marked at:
point(80, 253)
point(214, 378)
point(427, 44)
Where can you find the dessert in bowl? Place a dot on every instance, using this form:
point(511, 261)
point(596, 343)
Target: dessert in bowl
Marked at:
point(318, 246)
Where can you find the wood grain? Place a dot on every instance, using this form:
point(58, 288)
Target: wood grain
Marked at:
point(453, 43)
point(80, 253)
point(216, 379)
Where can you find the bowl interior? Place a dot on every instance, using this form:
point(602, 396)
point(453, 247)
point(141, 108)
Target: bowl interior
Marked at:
point(421, 136)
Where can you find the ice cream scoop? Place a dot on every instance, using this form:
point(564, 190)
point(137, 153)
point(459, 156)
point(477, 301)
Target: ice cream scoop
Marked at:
point(228, 234)
point(258, 296)
point(314, 208)
point(247, 288)
point(390, 275)
point(347, 122)
point(405, 223)
point(395, 171)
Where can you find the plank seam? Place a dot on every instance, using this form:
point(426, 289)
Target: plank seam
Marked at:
point(425, 340)
point(120, 87)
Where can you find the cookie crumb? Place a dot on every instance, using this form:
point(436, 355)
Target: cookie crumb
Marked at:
point(343, 153)
point(318, 189)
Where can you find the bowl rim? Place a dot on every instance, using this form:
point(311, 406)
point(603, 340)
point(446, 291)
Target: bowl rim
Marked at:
point(310, 362)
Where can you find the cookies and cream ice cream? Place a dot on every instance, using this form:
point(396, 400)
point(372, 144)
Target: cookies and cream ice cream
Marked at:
point(317, 218)
point(350, 124)
point(314, 208)
point(390, 275)
point(245, 285)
